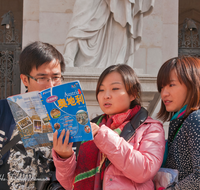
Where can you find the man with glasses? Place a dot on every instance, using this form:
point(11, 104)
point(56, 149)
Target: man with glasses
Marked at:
point(41, 66)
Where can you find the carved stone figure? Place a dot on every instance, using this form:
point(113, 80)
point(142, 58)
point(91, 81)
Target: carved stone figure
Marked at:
point(105, 32)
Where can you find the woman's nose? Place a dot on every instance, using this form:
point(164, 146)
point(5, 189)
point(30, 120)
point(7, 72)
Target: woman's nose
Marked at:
point(164, 91)
point(107, 95)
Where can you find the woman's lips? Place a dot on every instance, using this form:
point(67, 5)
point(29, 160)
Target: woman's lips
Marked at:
point(107, 105)
point(167, 102)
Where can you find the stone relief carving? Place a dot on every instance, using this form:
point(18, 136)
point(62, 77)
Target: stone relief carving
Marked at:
point(105, 32)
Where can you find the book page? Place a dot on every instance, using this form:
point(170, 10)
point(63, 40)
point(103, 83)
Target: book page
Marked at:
point(31, 119)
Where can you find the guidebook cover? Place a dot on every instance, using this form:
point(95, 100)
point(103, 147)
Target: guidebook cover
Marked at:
point(67, 110)
point(31, 119)
point(39, 114)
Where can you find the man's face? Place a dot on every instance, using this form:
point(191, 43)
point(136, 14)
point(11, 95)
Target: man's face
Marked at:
point(47, 70)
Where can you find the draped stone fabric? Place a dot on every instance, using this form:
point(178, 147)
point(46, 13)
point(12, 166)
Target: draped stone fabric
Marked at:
point(105, 32)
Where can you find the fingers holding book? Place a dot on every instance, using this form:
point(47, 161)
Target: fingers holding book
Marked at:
point(62, 148)
point(95, 128)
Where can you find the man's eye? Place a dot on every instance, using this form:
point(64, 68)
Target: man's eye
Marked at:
point(42, 78)
point(56, 78)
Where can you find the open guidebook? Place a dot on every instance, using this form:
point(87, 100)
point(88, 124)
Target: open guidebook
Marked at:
point(39, 114)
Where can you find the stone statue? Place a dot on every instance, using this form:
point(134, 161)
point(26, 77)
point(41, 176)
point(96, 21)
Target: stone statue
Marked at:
point(105, 32)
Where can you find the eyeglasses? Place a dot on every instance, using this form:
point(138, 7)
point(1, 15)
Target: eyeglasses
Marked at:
point(44, 80)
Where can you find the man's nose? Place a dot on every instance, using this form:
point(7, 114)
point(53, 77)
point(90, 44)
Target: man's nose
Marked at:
point(50, 83)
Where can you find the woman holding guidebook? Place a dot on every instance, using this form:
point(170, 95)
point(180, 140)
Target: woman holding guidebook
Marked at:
point(110, 161)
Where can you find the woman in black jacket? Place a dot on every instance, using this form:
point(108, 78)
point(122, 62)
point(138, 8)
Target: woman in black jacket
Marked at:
point(178, 82)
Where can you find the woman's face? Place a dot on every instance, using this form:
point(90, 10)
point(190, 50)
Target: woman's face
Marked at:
point(113, 97)
point(174, 94)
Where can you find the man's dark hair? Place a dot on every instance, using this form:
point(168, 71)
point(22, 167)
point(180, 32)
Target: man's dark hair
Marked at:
point(36, 54)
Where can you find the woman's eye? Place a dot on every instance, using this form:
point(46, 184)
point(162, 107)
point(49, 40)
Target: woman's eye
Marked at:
point(172, 85)
point(115, 88)
point(100, 90)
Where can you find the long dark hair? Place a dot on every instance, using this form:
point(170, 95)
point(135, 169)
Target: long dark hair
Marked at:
point(129, 78)
point(187, 69)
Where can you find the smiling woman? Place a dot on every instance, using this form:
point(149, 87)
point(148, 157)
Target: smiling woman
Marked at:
point(178, 82)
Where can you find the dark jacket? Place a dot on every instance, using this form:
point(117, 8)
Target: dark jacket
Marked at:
point(18, 167)
point(184, 151)
point(7, 125)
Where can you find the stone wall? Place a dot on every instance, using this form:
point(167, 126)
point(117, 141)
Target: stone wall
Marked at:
point(47, 21)
point(160, 37)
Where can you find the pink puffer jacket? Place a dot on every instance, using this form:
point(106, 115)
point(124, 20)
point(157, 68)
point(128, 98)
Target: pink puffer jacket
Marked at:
point(134, 163)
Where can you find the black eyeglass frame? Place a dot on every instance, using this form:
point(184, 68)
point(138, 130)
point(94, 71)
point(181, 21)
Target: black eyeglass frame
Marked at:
point(61, 78)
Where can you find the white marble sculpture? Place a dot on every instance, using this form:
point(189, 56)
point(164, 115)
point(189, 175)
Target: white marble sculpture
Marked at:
point(105, 32)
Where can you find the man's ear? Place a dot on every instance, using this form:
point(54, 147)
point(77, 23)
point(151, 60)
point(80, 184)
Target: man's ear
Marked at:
point(24, 79)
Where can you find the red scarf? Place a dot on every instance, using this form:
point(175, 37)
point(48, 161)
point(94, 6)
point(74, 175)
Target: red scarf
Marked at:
point(87, 170)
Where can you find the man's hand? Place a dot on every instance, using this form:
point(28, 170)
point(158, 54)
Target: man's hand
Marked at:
point(64, 150)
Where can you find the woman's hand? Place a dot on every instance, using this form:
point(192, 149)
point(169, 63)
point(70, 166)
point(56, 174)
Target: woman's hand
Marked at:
point(157, 185)
point(64, 150)
point(95, 128)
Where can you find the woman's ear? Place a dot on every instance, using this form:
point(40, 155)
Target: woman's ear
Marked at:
point(24, 79)
point(132, 97)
